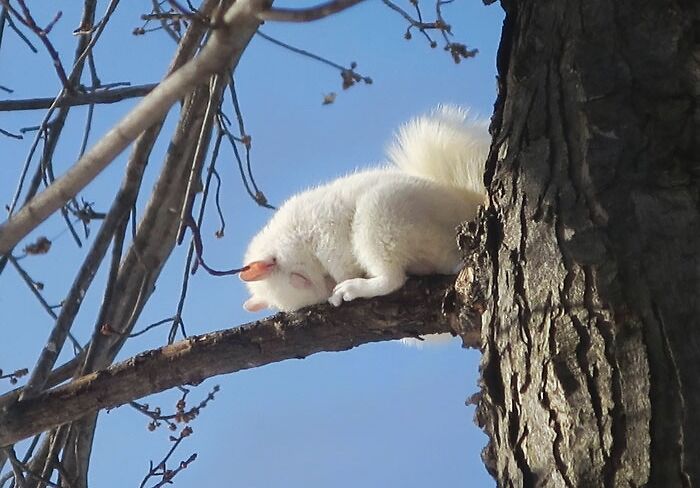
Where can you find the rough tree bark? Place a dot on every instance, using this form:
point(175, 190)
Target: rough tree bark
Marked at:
point(590, 246)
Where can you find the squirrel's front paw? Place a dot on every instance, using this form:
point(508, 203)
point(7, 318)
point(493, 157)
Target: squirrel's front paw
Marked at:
point(347, 291)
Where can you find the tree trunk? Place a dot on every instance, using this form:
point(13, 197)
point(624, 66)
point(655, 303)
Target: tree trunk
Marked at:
point(590, 246)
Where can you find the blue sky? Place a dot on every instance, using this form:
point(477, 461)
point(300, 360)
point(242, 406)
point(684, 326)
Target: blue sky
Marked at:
point(379, 415)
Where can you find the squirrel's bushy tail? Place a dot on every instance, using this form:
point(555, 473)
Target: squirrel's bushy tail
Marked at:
point(445, 146)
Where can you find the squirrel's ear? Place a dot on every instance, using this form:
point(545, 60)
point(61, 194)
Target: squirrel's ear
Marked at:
point(255, 304)
point(258, 270)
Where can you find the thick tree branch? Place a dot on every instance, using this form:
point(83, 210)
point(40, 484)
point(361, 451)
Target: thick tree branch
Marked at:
point(416, 309)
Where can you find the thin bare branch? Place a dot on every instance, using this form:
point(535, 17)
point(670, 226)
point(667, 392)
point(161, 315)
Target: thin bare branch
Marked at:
point(161, 469)
point(349, 75)
point(194, 181)
point(457, 50)
point(199, 248)
point(217, 201)
point(75, 100)
point(19, 33)
point(257, 196)
point(307, 14)
point(245, 139)
point(178, 321)
point(157, 12)
point(34, 288)
point(11, 134)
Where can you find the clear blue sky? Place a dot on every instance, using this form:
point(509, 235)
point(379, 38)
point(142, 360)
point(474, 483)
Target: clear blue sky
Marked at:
point(381, 415)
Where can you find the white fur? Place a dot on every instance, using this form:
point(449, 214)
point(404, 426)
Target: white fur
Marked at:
point(360, 235)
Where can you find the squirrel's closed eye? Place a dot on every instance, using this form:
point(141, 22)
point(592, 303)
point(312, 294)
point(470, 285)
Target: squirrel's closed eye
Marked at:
point(298, 280)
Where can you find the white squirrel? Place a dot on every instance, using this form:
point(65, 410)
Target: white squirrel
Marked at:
point(362, 234)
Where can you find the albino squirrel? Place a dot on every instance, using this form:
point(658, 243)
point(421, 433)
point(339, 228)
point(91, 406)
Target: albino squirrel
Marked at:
point(361, 235)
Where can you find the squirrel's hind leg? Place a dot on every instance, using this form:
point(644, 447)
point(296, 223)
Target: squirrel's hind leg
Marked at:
point(383, 232)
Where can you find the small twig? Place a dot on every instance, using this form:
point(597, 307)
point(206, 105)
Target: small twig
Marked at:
point(152, 326)
point(159, 15)
point(10, 134)
point(49, 178)
point(178, 322)
point(197, 238)
point(108, 330)
point(27, 163)
point(26, 18)
point(257, 196)
point(181, 415)
point(160, 469)
point(419, 24)
point(84, 216)
point(246, 140)
point(119, 233)
point(222, 223)
point(34, 287)
point(3, 17)
point(192, 13)
point(85, 213)
point(194, 181)
point(457, 50)
point(14, 376)
point(349, 75)
point(19, 33)
point(50, 25)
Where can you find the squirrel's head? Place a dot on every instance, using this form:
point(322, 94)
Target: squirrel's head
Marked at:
point(286, 282)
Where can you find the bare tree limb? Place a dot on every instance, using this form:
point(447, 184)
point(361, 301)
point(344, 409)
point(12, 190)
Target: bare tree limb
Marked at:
point(74, 100)
point(414, 310)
